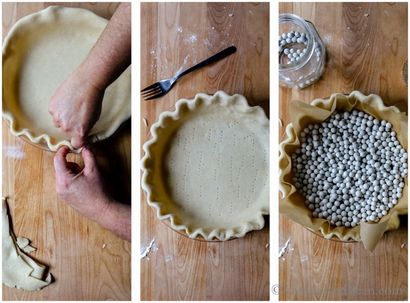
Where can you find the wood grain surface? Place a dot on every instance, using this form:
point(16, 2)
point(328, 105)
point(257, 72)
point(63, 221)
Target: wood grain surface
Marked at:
point(175, 36)
point(366, 47)
point(86, 261)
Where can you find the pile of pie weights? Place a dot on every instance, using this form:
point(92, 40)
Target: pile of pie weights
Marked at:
point(287, 43)
point(293, 45)
point(350, 168)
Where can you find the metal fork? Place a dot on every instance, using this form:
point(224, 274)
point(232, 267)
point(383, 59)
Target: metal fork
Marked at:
point(162, 87)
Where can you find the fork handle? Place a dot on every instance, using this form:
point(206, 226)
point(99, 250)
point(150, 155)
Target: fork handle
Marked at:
point(218, 56)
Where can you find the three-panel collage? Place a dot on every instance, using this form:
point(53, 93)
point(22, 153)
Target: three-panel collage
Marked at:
point(204, 151)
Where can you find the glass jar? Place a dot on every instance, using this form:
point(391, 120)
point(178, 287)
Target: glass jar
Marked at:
point(302, 53)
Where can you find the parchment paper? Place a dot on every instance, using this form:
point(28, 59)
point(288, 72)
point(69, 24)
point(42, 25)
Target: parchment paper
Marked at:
point(291, 203)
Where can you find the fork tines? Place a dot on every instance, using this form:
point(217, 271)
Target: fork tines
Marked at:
point(153, 91)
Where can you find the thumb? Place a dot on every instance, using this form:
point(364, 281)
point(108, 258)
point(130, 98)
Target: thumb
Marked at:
point(60, 162)
point(89, 160)
point(77, 141)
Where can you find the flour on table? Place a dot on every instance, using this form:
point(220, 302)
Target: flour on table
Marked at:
point(284, 248)
point(13, 151)
point(207, 43)
point(304, 258)
point(192, 38)
point(168, 258)
point(146, 250)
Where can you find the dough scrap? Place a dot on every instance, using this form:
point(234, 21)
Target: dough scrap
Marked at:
point(24, 244)
point(206, 167)
point(19, 270)
point(39, 53)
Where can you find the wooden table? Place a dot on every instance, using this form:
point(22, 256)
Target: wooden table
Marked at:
point(366, 48)
point(86, 261)
point(178, 35)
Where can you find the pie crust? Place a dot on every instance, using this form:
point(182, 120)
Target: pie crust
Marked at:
point(206, 167)
point(39, 53)
point(291, 202)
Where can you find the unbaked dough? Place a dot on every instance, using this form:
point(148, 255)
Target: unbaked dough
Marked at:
point(206, 167)
point(39, 53)
point(24, 244)
point(19, 270)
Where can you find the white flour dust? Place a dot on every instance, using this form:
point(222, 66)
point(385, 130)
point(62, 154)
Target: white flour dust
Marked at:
point(327, 39)
point(185, 64)
point(284, 248)
point(207, 43)
point(186, 59)
point(168, 258)
point(145, 251)
point(13, 151)
point(192, 39)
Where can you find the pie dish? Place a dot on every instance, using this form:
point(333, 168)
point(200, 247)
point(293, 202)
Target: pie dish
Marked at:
point(291, 202)
point(39, 53)
point(206, 167)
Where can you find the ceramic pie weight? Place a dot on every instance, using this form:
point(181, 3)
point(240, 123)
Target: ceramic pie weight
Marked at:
point(292, 203)
point(206, 167)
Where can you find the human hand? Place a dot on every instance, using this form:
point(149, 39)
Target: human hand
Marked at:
point(76, 106)
point(83, 188)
